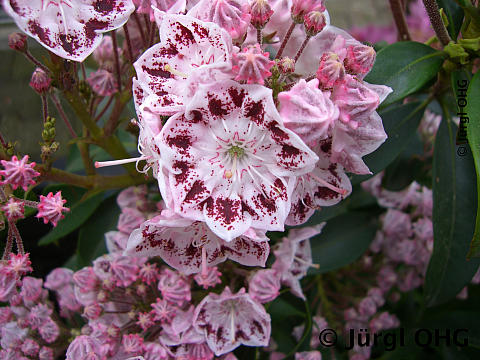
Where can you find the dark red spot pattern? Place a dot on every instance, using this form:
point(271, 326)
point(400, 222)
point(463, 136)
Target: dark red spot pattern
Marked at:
point(104, 6)
point(237, 96)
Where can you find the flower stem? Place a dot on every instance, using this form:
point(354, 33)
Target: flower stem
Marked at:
point(8, 245)
point(140, 28)
point(35, 62)
point(64, 117)
point(285, 40)
point(117, 60)
point(400, 20)
point(302, 47)
point(44, 107)
point(259, 36)
point(129, 43)
point(436, 21)
point(18, 237)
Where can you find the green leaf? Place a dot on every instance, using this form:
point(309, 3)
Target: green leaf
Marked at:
point(454, 203)
point(78, 214)
point(454, 15)
point(406, 67)
point(91, 240)
point(342, 241)
point(400, 123)
point(473, 135)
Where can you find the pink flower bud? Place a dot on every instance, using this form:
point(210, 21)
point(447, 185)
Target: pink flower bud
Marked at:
point(45, 353)
point(314, 22)
point(40, 81)
point(261, 12)
point(132, 343)
point(360, 59)
point(31, 288)
point(51, 208)
point(85, 279)
point(302, 7)
point(17, 41)
point(174, 288)
point(367, 307)
point(58, 278)
point(330, 70)
point(210, 279)
point(92, 311)
point(30, 347)
point(18, 173)
point(49, 331)
point(13, 209)
point(103, 82)
point(252, 65)
point(264, 286)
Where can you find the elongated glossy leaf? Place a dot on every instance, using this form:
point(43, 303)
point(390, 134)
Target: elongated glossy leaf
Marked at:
point(473, 134)
point(77, 215)
point(406, 67)
point(91, 240)
point(454, 15)
point(342, 241)
point(454, 204)
point(400, 123)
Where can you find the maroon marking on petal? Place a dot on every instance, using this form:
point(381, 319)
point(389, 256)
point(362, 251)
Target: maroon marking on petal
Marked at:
point(225, 210)
point(266, 203)
point(181, 142)
point(198, 188)
point(104, 6)
point(333, 170)
point(150, 238)
point(184, 167)
point(237, 97)
point(92, 25)
point(67, 44)
point(200, 30)
point(258, 326)
point(197, 117)
point(157, 72)
point(215, 107)
point(220, 334)
point(16, 8)
point(248, 209)
point(326, 146)
point(239, 334)
point(325, 193)
point(40, 32)
point(277, 134)
point(256, 111)
point(185, 37)
point(289, 151)
point(300, 210)
point(169, 51)
point(280, 187)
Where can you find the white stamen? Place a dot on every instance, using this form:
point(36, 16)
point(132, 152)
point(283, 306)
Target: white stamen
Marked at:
point(99, 164)
point(328, 185)
point(232, 325)
point(300, 260)
point(174, 72)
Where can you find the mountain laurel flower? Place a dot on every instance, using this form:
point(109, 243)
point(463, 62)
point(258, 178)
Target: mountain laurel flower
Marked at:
point(210, 279)
point(231, 15)
point(51, 208)
point(71, 29)
point(314, 22)
point(40, 81)
point(229, 320)
point(359, 60)
point(103, 82)
point(13, 209)
point(252, 65)
point(243, 178)
point(286, 65)
point(264, 286)
point(18, 173)
point(330, 71)
point(308, 355)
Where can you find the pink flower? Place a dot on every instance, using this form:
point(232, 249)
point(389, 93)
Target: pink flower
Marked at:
point(132, 343)
point(154, 351)
point(326, 185)
point(58, 278)
point(17, 41)
point(308, 111)
point(308, 355)
point(145, 320)
point(229, 320)
point(20, 263)
point(31, 288)
point(252, 65)
point(169, 6)
point(260, 11)
point(163, 311)
point(103, 82)
point(190, 246)
point(84, 346)
point(72, 29)
point(17, 173)
point(294, 256)
point(229, 161)
point(45, 353)
point(30, 347)
point(359, 60)
point(330, 71)
point(129, 220)
point(49, 331)
point(13, 209)
point(12, 336)
point(51, 208)
point(174, 288)
point(210, 279)
point(38, 315)
point(8, 283)
point(231, 15)
point(190, 52)
point(314, 22)
point(264, 286)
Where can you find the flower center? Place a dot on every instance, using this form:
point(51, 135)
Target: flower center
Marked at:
point(236, 152)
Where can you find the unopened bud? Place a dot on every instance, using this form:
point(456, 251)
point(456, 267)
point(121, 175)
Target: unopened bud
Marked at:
point(17, 41)
point(302, 7)
point(261, 12)
point(330, 70)
point(359, 59)
point(314, 22)
point(286, 65)
point(40, 81)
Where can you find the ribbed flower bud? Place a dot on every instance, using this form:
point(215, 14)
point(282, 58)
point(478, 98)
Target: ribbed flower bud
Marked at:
point(330, 70)
point(360, 59)
point(40, 81)
point(260, 12)
point(286, 65)
point(314, 22)
point(17, 41)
